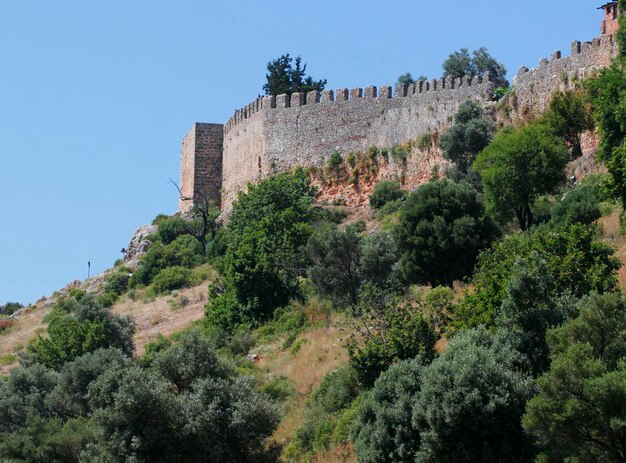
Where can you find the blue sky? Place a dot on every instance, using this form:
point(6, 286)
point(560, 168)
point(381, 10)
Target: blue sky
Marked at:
point(95, 97)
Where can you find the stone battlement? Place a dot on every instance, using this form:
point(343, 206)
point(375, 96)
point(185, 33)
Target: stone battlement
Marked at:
point(534, 87)
point(344, 94)
point(274, 134)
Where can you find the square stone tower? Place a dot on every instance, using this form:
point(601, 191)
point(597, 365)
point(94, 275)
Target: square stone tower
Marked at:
point(610, 23)
point(201, 165)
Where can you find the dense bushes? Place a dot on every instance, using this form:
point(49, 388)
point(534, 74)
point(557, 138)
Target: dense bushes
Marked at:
point(87, 327)
point(577, 262)
point(580, 410)
point(465, 406)
point(442, 228)
point(267, 227)
point(184, 405)
point(385, 192)
point(341, 261)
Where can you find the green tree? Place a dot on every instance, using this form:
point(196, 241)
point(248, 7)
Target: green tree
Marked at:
point(580, 205)
point(385, 191)
point(532, 306)
point(471, 402)
point(579, 413)
point(608, 99)
point(393, 330)
point(406, 79)
point(334, 270)
point(267, 227)
point(518, 166)
point(442, 228)
point(469, 135)
point(284, 78)
point(461, 64)
point(577, 261)
point(89, 328)
point(383, 431)
point(569, 115)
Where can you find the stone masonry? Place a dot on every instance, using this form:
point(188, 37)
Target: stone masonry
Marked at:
point(274, 134)
point(201, 164)
point(534, 88)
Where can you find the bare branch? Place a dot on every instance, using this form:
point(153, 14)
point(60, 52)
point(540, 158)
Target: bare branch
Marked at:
point(180, 193)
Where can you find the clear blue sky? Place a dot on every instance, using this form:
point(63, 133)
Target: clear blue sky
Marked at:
point(95, 97)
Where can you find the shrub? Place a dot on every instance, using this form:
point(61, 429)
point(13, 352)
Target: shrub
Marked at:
point(107, 299)
point(579, 411)
point(577, 262)
point(579, 205)
point(383, 431)
point(117, 282)
point(10, 308)
point(471, 402)
point(385, 192)
point(394, 332)
point(442, 228)
point(172, 278)
point(170, 228)
point(335, 160)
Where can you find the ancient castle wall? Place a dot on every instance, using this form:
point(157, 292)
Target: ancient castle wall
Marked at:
point(273, 134)
point(534, 88)
point(201, 164)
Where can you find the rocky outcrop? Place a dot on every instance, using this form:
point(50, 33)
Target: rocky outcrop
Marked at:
point(138, 245)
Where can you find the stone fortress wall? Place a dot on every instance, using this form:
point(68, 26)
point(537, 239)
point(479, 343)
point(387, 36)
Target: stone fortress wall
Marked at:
point(534, 88)
point(274, 134)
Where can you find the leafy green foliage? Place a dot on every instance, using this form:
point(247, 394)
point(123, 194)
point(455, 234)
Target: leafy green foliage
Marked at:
point(469, 135)
point(183, 405)
point(580, 205)
point(283, 77)
point(579, 413)
point(442, 228)
point(117, 282)
point(465, 406)
point(531, 307)
point(171, 278)
point(88, 328)
point(384, 192)
point(518, 166)
point(383, 431)
point(577, 262)
point(608, 99)
point(10, 308)
point(267, 228)
point(184, 251)
point(406, 79)
point(568, 116)
point(461, 64)
point(336, 393)
point(439, 307)
point(471, 402)
point(334, 272)
point(392, 331)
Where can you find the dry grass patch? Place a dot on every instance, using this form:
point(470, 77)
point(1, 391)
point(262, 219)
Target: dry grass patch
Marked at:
point(16, 338)
point(323, 351)
point(165, 314)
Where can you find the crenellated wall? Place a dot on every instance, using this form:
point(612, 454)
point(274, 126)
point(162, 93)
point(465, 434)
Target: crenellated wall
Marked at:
point(534, 88)
point(273, 134)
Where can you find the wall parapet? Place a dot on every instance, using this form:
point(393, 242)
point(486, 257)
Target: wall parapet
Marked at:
point(534, 87)
point(342, 95)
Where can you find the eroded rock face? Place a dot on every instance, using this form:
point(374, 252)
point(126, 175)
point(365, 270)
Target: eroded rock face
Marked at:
point(138, 245)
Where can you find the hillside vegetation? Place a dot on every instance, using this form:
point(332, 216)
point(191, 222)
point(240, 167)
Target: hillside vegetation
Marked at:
point(479, 318)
